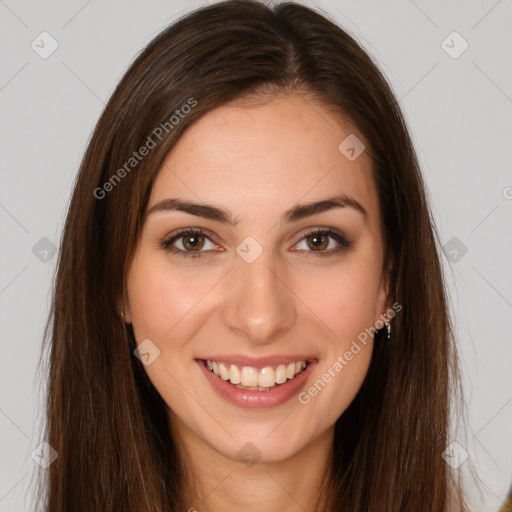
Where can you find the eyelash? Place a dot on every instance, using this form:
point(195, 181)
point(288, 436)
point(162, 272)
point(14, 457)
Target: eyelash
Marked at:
point(338, 237)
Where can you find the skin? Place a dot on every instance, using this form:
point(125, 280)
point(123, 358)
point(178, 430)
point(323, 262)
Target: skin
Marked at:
point(257, 160)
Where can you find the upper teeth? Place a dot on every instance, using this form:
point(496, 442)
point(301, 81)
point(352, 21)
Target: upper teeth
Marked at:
point(249, 376)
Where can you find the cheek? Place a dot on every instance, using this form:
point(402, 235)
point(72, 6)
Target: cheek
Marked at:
point(347, 306)
point(345, 378)
point(161, 306)
point(347, 301)
point(160, 298)
point(152, 303)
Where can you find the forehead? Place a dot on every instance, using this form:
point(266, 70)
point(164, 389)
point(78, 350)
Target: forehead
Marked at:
point(256, 156)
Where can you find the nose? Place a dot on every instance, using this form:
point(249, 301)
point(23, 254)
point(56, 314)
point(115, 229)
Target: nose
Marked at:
point(260, 304)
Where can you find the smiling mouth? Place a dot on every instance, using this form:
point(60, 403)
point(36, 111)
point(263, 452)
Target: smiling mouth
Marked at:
point(256, 379)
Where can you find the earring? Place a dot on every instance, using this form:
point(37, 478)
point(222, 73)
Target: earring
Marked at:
point(388, 327)
point(122, 314)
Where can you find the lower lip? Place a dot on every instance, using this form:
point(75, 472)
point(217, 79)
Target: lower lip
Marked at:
point(257, 399)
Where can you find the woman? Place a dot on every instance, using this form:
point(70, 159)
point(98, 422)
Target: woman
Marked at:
point(249, 310)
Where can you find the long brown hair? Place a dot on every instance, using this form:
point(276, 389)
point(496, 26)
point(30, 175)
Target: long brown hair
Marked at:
point(104, 418)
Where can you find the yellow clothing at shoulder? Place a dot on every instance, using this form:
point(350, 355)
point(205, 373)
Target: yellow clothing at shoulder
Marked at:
point(507, 506)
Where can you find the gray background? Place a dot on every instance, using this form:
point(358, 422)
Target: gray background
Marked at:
point(460, 114)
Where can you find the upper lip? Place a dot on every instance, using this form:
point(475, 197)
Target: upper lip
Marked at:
point(259, 362)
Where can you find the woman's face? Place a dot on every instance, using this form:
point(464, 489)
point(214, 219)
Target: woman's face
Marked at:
point(256, 289)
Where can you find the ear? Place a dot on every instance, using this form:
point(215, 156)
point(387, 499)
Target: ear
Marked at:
point(385, 298)
point(123, 307)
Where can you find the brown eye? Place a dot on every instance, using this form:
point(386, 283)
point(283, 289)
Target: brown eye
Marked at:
point(193, 241)
point(317, 241)
point(189, 243)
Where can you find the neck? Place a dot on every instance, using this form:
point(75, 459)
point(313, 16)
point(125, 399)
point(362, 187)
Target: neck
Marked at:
point(217, 483)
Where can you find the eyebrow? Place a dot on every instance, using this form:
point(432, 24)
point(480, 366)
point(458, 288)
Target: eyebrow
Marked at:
point(294, 214)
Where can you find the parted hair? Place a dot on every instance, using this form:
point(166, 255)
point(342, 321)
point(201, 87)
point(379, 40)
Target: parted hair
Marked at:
point(103, 416)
